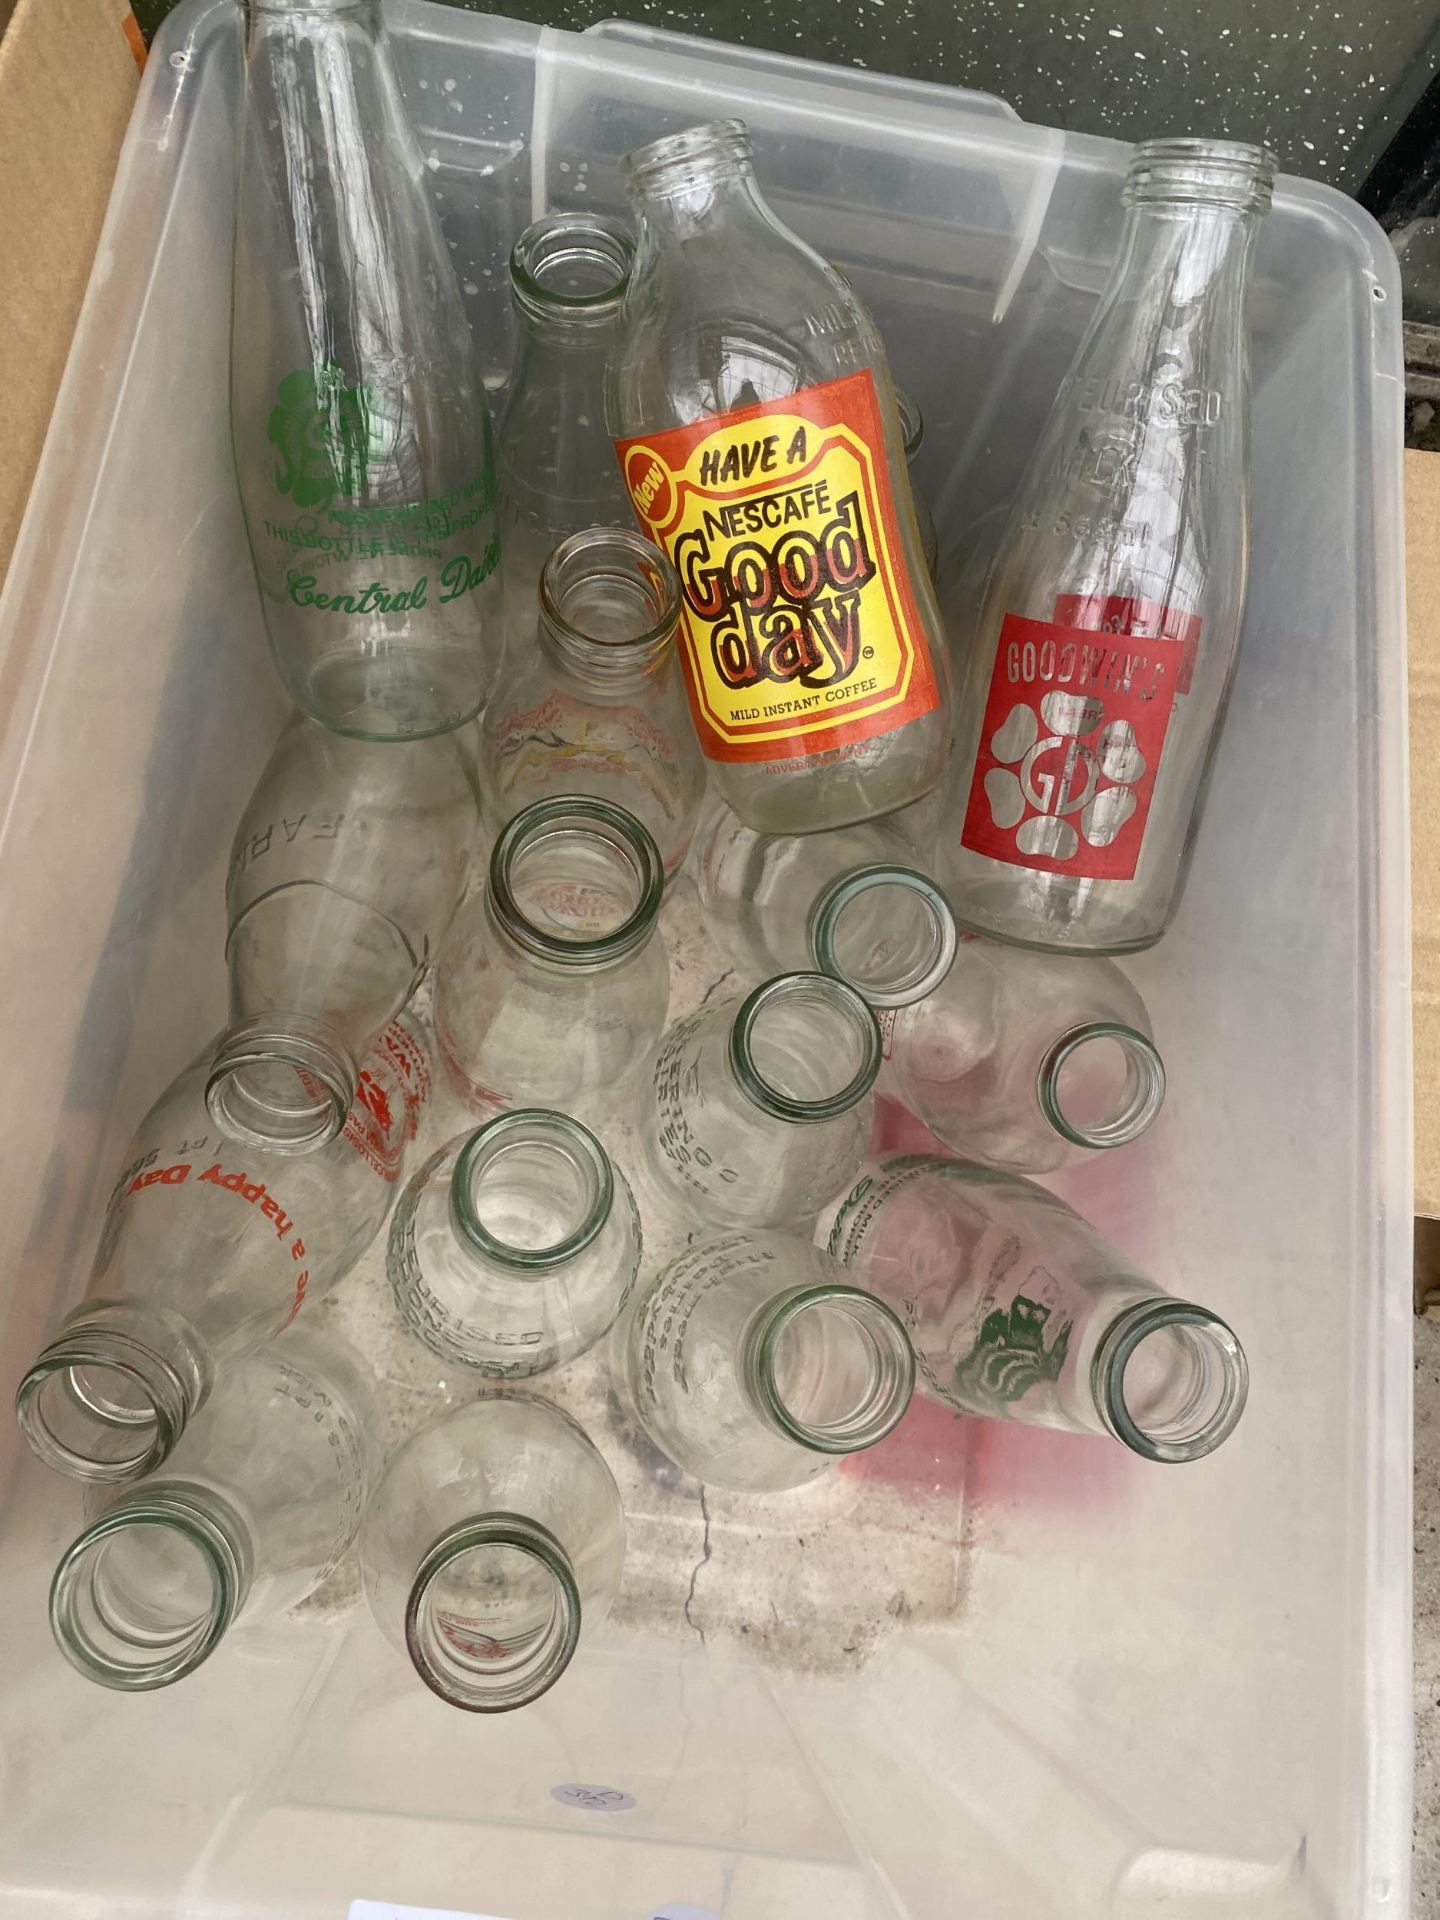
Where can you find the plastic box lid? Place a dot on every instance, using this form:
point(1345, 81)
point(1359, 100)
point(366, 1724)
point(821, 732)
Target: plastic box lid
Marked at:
point(1086, 1686)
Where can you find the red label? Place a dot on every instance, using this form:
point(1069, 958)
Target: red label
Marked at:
point(1074, 727)
point(390, 1097)
point(1145, 619)
point(800, 631)
point(372, 1127)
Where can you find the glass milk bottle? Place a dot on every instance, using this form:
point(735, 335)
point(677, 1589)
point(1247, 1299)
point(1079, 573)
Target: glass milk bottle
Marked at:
point(553, 983)
point(362, 440)
point(593, 700)
point(346, 868)
point(557, 466)
point(493, 1546)
point(254, 1510)
point(1107, 641)
point(757, 431)
point(514, 1247)
point(752, 1363)
point(759, 891)
point(207, 1251)
point(1018, 1310)
point(756, 1106)
point(1027, 1061)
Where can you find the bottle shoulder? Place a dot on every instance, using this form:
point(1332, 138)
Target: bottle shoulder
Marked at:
point(711, 330)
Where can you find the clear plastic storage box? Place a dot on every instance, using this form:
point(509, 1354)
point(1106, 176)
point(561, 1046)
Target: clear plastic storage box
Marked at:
point(990, 1673)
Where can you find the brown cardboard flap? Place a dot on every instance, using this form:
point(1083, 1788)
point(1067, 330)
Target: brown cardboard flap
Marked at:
point(68, 74)
point(1422, 592)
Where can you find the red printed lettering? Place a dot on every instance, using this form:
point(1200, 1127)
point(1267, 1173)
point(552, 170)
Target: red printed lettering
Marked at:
point(161, 1176)
point(302, 1281)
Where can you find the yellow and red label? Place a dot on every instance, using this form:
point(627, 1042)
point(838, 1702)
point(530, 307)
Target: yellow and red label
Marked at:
point(799, 626)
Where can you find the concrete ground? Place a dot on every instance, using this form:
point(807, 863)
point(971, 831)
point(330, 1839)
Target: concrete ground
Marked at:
point(1426, 1904)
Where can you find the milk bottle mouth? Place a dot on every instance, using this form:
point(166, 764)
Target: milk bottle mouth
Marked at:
point(285, 1086)
point(109, 1397)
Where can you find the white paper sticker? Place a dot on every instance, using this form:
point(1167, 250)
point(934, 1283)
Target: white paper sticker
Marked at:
point(593, 1799)
point(387, 1910)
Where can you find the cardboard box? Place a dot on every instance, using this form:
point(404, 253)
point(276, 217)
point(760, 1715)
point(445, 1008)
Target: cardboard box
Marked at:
point(68, 74)
point(1422, 599)
point(1422, 596)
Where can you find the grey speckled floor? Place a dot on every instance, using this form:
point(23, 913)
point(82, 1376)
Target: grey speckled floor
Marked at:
point(1426, 1904)
point(1324, 82)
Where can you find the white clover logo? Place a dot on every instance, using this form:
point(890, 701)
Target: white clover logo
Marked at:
point(1060, 772)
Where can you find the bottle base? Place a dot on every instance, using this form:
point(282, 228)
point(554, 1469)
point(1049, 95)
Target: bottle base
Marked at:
point(1002, 911)
point(413, 693)
point(799, 799)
